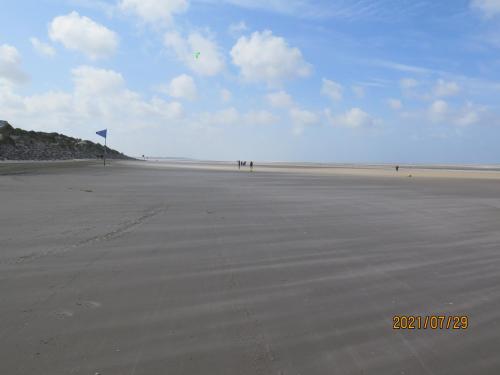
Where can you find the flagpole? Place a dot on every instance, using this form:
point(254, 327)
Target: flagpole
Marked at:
point(104, 134)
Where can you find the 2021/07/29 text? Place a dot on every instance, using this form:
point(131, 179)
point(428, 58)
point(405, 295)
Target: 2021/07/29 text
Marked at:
point(454, 322)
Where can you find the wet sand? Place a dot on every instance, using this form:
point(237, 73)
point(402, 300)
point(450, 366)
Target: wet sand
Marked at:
point(189, 268)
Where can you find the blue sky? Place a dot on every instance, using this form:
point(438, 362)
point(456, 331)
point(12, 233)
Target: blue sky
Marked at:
point(336, 81)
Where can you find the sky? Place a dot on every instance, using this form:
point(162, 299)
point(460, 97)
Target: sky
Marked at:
point(361, 81)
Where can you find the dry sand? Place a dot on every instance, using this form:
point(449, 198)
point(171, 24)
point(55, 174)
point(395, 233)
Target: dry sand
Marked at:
point(189, 268)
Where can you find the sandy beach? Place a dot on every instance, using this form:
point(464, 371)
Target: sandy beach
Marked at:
point(165, 267)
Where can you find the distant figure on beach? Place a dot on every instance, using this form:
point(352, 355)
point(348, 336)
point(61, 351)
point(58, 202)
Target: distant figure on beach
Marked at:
point(251, 166)
point(397, 168)
point(239, 164)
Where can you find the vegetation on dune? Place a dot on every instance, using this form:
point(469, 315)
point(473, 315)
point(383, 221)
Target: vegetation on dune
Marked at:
point(20, 144)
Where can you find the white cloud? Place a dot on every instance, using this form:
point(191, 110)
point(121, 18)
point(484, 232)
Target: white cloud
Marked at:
point(331, 89)
point(97, 94)
point(467, 115)
point(439, 107)
point(183, 87)
point(470, 115)
point(264, 57)
point(408, 83)
point(438, 110)
point(210, 62)
point(302, 119)
point(280, 99)
point(235, 29)
point(231, 116)
point(103, 93)
point(392, 65)
point(79, 33)
point(49, 102)
point(395, 104)
point(441, 89)
point(261, 117)
point(489, 8)
point(444, 88)
point(228, 116)
point(10, 66)
point(359, 91)
point(43, 49)
point(90, 80)
point(354, 118)
point(154, 11)
point(226, 95)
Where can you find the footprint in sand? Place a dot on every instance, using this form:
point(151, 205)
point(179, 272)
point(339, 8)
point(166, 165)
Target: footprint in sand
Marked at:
point(63, 314)
point(89, 304)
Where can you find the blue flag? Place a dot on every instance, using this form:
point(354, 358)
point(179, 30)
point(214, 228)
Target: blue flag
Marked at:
point(102, 133)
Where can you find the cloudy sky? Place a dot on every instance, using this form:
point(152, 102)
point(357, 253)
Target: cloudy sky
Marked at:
point(300, 80)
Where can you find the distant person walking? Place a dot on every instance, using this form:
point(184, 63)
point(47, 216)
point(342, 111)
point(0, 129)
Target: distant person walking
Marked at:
point(397, 168)
point(251, 166)
point(239, 164)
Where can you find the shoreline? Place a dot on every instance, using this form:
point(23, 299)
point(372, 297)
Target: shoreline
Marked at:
point(365, 170)
point(467, 172)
